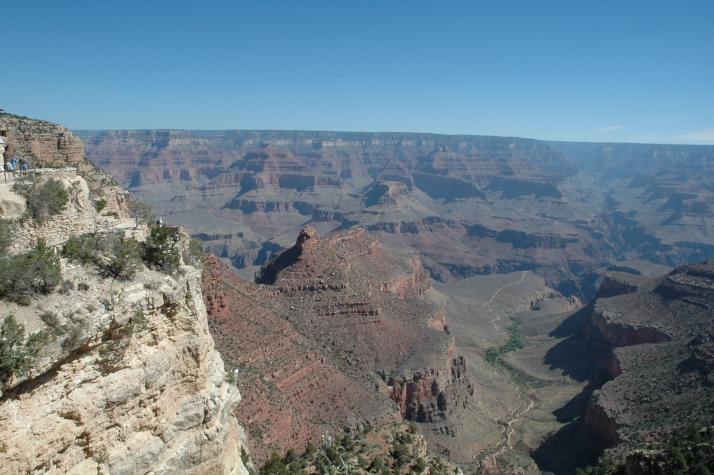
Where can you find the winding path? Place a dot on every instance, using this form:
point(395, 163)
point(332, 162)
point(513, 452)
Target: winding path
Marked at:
point(518, 413)
point(498, 291)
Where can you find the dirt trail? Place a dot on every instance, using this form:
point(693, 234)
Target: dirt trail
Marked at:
point(498, 291)
point(518, 413)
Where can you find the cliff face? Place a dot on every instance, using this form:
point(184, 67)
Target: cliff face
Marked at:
point(48, 145)
point(126, 400)
point(329, 331)
point(433, 395)
point(43, 143)
point(127, 378)
point(653, 344)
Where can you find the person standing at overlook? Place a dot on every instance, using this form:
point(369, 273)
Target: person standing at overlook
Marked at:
point(3, 146)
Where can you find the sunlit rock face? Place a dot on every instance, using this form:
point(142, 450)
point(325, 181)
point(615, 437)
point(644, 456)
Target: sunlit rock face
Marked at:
point(468, 205)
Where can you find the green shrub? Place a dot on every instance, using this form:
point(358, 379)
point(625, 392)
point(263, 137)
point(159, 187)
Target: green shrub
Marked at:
point(138, 320)
point(125, 259)
point(114, 255)
point(100, 204)
point(50, 319)
point(74, 337)
point(42, 200)
point(195, 255)
point(84, 248)
point(160, 251)
point(274, 466)
point(5, 236)
point(244, 456)
point(377, 464)
point(401, 455)
point(37, 271)
point(15, 355)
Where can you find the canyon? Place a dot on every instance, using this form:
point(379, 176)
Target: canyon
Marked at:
point(335, 332)
point(517, 236)
point(468, 205)
point(650, 347)
point(524, 306)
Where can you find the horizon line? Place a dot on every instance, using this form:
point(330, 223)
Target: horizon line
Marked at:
point(314, 131)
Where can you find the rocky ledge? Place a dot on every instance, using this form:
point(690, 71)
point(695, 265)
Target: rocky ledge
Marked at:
point(654, 345)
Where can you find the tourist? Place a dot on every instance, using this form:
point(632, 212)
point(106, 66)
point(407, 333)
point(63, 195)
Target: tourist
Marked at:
point(12, 164)
point(3, 146)
point(24, 166)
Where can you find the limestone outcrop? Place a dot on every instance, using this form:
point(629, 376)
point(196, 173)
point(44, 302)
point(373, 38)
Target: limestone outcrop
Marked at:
point(126, 377)
point(51, 146)
point(79, 216)
point(125, 400)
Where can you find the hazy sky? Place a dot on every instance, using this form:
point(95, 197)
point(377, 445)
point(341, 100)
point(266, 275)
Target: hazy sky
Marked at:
point(570, 70)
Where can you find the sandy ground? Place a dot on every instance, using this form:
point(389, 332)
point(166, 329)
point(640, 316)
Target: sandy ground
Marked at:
point(515, 400)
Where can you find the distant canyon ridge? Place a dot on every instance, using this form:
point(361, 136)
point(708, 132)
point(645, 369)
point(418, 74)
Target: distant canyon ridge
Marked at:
point(468, 205)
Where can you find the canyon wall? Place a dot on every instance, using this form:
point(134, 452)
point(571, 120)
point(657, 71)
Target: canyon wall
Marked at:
point(651, 339)
point(468, 205)
point(330, 330)
point(125, 377)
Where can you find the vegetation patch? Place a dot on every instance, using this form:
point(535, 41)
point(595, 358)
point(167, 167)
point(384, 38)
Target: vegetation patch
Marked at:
point(34, 272)
point(43, 200)
point(125, 259)
point(515, 342)
point(5, 236)
point(387, 450)
point(116, 256)
point(100, 204)
point(693, 453)
point(195, 254)
point(160, 250)
point(16, 354)
point(138, 321)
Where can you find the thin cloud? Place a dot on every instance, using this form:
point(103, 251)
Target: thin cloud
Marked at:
point(693, 137)
point(706, 135)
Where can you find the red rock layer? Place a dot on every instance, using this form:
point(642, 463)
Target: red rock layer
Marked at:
point(322, 339)
point(292, 393)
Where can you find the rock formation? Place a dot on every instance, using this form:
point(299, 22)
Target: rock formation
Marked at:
point(328, 331)
point(126, 378)
point(653, 345)
point(468, 205)
point(48, 145)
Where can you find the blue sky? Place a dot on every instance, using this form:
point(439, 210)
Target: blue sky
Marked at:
point(566, 70)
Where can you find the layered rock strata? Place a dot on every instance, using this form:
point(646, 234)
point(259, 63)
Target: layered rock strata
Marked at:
point(127, 378)
point(325, 330)
point(654, 347)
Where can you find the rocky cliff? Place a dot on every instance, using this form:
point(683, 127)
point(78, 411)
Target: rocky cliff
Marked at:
point(329, 330)
point(468, 205)
point(653, 345)
point(124, 399)
point(48, 145)
point(105, 372)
